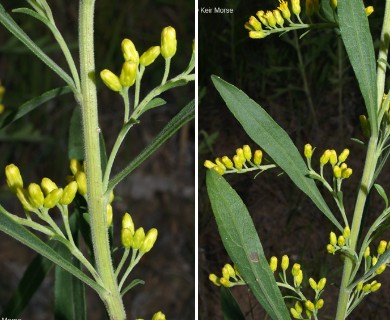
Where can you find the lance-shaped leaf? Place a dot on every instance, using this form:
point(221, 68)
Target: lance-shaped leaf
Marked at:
point(357, 39)
point(274, 140)
point(243, 245)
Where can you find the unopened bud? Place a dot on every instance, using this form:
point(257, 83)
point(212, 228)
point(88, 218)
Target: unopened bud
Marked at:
point(319, 304)
point(75, 166)
point(126, 238)
point(36, 195)
point(257, 157)
point(139, 237)
point(333, 238)
point(247, 152)
point(129, 51)
point(111, 80)
point(382, 247)
point(81, 179)
point(273, 263)
point(128, 74)
point(69, 193)
point(343, 155)
point(159, 316)
point(309, 305)
point(52, 199)
point(321, 284)
point(110, 214)
point(313, 284)
point(346, 232)
point(308, 151)
point(48, 186)
point(14, 178)
point(148, 57)
point(285, 262)
point(23, 197)
point(227, 162)
point(127, 222)
point(149, 241)
point(168, 42)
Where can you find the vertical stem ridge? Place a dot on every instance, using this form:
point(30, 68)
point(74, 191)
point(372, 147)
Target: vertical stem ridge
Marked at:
point(96, 200)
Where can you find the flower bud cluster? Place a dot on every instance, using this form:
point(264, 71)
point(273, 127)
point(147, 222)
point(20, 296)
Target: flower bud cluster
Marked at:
point(43, 196)
point(303, 304)
point(243, 161)
point(339, 243)
point(132, 60)
point(136, 238)
point(230, 277)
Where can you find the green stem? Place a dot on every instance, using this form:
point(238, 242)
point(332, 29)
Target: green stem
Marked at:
point(166, 71)
point(138, 85)
point(96, 202)
point(134, 260)
point(124, 257)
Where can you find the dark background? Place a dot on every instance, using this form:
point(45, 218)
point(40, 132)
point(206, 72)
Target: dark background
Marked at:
point(158, 194)
point(288, 223)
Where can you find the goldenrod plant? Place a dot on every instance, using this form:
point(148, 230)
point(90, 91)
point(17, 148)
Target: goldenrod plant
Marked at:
point(84, 201)
point(364, 257)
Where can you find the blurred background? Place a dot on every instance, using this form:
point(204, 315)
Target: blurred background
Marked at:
point(160, 193)
point(308, 87)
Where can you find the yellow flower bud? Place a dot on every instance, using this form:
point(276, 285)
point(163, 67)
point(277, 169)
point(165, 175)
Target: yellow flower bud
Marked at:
point(296, 7)
point(346, 232)
point(227, 162)
point(309, 305)
point(285, 262)
point(278, 17)
point(298, 278)
point(209, 164)
point(337, 172)
point(14, 178)
point(139, 237)
point(343, 155)
point(111, 197)
point(325, 157)
point(365, 125)
point(128, 74)
point(382, 247)
point(367, 288)
point(159, 316)
point(333, 238)
point(257, 34)
point(261, 15)
point(48, 186)
point(219, 170)
point(81, 179)
point(313, 284)
point(366, 252)
point(341, 241)
point(240, 154)
point(129, 51)
point(308, 151)
point(23, 197)
point(375, 287)
point(220, 164)
point(230, 270)
point(270, 18)
point(381, 269)
point(254, 24)
point(321, 284)
point(359, 287)
point(110, 214)
point(345, 174)
point(295, 269)
point(319, 304)
point(149, 241)
point(333, 157)
point(214, 279)
point(69, 193)
point(333, 4)
point(75, 166)
point(237, 162)
point(126, 238)
point(298, 307)
point(149, 56)
point(330, 248)
point(273, 263)
point(247, 152)
point(374, 260)
point(36, 195)
point(257, 157)
point(111, 80)
point(52, 199)
point(295, 314)
point(284, 9)
point(127, 223)
point(225, 282)
point(369, 10)
point(168, 42)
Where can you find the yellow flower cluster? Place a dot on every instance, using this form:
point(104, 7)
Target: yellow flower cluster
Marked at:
point(338, 243)
point(137, 239)
point(242, 161)
point(132, 60)
point(230, 277)
point(43, 196)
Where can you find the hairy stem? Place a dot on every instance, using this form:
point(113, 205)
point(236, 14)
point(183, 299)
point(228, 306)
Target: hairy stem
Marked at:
point(96, 201)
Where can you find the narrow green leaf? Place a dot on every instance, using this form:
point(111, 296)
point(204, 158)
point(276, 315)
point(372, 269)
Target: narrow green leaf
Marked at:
point(382, 193)
point(76, 142)
point(274, 140)
point(357, 39)
point(10, 24)
point(154, 103)
point(29, 284)
point(31, 13)
point(23, 235)
point(69, 293)
point(131, 285)
point(243, 245)
point(34, 103)
point(230, 308)
point(185, 115)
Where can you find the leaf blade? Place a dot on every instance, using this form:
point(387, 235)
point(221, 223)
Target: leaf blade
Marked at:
point(263, 130)
point(243, 245)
